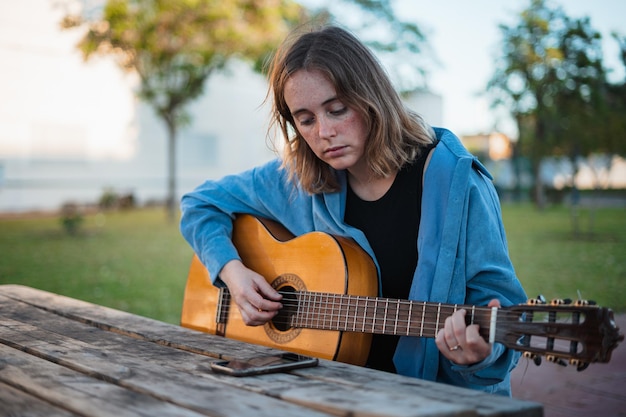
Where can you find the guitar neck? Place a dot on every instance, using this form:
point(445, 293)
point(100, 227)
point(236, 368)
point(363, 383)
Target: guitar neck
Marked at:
point(327, 311)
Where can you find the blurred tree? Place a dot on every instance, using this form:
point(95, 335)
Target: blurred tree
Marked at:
point(616, 104)
point(175, 45)
point(399, 43)
point(551, 78)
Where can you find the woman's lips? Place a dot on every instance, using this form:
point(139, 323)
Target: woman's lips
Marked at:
point(334, 151)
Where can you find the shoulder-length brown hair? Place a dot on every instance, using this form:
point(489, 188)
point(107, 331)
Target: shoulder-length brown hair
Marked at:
point(396, 136)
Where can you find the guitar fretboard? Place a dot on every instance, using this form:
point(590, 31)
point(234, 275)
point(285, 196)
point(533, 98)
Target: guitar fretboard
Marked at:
point(328, 311)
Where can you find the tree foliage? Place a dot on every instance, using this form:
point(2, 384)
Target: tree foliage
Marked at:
point(175, 45)
point(399, 43)
point(551, 78)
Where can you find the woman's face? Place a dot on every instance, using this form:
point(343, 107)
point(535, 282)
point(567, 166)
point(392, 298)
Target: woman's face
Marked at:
point(335, 132)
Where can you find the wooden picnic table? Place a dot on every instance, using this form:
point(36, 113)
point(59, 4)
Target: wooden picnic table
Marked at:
point(65, 357)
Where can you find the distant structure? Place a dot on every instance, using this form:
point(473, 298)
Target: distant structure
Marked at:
point(427, 104)
point(495, 146)
point(70, 130)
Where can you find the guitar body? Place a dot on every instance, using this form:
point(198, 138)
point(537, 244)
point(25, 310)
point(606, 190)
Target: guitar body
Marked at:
point(314, 262)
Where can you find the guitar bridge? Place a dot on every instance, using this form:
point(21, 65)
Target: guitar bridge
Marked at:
point(223, 301)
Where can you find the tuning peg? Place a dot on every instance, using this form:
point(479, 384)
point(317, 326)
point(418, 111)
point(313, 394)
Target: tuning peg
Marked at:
point(556, 360)
point(580, 365)
point(559, 301)
point(539, 300)
point(532, 356)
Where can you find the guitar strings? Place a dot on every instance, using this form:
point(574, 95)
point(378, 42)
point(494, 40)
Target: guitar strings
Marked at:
point(365, 314)
point(330, 310)
point(352, 302)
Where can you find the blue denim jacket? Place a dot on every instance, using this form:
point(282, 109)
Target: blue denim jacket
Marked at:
point(463, 254)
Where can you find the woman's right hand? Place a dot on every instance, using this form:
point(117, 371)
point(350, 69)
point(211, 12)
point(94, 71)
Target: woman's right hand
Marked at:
point(257, 300)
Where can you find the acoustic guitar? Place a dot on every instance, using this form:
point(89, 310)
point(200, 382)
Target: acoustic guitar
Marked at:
point(331, 309)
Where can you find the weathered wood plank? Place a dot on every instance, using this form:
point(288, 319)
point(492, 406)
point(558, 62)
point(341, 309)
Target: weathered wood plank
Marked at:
point(167, 374)
point(14, 402)
point(78, 393)
point(486, 405)
point(131, 325)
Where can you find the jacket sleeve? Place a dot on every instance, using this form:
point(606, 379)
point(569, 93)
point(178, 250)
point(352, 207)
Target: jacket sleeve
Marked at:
point(489, 274)
point(209, 210)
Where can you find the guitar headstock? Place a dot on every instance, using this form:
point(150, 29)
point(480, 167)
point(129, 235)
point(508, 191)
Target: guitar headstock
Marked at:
point(578, 333)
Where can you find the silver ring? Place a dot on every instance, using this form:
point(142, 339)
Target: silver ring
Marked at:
point(457, 347)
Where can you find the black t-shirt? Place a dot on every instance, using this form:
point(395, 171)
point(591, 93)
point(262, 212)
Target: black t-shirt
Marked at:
point(391, 225)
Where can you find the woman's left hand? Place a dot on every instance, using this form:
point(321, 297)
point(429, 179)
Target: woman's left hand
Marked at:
point(460, 343)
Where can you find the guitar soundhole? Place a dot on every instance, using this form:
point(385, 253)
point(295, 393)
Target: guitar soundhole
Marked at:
point(280, 329)
point(282, 321)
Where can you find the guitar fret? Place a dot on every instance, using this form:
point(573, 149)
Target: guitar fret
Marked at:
point(364, 316)
point(385, 316)
point(326, 311)
point(303, 319)
point(328, 317)
point(356, 310)
point(295, 316)
point(306, 308)
point(345, 320)
point(408, 321)
point(312, 316)
point(395, 320)
point(339, 310)
point(437, 320)
point(333, 311)
point(395, 325)
point(311, 308)
point(375, 314)
point(423, 315)
point(335, 316)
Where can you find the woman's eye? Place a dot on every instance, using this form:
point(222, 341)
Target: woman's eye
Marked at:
point(305, 122)
point(339, 112)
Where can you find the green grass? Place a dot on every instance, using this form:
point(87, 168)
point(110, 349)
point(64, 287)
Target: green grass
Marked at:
point(136, 261)
point(551, 261)
point(130, 260)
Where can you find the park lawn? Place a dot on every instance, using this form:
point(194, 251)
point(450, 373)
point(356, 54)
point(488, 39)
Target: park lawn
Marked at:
point(137, 261)
point(132, 260)
point(551, 261)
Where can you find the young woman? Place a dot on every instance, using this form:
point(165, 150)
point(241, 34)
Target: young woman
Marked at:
point(357, 163)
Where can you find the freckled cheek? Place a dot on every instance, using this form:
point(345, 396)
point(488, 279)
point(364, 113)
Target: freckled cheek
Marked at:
point(313, 144)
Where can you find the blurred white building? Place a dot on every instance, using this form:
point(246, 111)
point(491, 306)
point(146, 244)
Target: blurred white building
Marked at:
point(69, 128)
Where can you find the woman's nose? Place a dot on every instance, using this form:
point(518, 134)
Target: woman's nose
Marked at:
point(326, 128)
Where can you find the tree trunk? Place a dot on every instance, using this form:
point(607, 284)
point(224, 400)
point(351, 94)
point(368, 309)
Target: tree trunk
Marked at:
point(537, 156)
point(517, 174)
point(539, 195)
point(575, 199)
point(171, 200)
